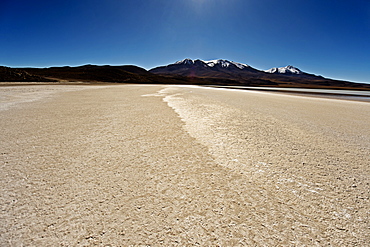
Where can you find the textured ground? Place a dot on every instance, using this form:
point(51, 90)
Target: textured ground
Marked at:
point(154, 165)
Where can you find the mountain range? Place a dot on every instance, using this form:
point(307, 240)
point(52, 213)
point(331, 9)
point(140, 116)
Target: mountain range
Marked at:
point(187, 71)
point(242, 74)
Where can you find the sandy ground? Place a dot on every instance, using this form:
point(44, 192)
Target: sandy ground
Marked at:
point(154, 165)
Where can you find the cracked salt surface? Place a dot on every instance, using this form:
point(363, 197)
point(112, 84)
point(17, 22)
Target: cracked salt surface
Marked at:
point(297, 155)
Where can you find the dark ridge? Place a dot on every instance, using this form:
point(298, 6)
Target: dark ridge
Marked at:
point(94, 73)
point(18, 75)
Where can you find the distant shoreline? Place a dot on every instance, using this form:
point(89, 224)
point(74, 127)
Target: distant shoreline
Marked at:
point(357, 95)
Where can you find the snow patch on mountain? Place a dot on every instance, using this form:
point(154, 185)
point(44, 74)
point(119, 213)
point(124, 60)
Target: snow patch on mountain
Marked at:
point(213, 63)
point(225, 63)
point(285, 70)
point(185, 61)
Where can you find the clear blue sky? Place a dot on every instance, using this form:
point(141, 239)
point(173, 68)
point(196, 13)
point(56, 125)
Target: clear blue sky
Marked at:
point(327, 37)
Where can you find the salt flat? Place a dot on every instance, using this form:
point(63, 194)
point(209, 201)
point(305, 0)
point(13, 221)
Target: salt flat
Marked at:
point(169, 165)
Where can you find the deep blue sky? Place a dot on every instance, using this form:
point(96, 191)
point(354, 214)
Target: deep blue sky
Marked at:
point(327, 37)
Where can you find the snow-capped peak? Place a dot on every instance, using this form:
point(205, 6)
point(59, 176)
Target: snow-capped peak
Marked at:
point(225, 63)
point(185, 61)
point(212, 63)
point(285, 70)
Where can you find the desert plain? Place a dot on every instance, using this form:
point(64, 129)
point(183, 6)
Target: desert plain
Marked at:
point(136, 165)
